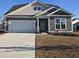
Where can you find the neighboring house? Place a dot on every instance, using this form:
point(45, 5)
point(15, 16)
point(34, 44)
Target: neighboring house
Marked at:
point(75, 24)
point(38, 17)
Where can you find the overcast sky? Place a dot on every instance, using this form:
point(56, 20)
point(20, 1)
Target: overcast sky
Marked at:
point(69, 5)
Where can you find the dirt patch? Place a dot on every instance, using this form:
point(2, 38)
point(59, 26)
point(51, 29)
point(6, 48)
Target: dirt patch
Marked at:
point(57, 53)
point(51, 46)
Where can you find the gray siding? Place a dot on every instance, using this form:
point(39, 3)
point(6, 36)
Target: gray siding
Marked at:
point(52, 24)
point(69, 24)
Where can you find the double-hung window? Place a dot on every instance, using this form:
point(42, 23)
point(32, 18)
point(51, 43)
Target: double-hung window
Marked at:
point(60, 23)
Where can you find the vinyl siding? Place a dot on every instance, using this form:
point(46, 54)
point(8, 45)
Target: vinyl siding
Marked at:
point(52, 27)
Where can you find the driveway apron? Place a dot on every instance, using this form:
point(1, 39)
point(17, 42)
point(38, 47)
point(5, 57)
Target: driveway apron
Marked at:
point(17, 45)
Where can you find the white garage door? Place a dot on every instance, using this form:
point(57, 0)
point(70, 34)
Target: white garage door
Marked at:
point(22, 26)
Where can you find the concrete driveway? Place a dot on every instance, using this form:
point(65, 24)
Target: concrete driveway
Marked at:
point(17, 45)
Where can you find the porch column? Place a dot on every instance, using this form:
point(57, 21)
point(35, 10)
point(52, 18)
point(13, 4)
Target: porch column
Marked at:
point(72, 24)
point(5, 23)
point(37, 25)
point(48, 24)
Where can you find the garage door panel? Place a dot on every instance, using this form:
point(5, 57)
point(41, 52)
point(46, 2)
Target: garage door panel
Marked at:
point(22, 26)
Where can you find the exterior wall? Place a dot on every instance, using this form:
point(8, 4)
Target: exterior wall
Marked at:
point(52, 24)
point(28, 10)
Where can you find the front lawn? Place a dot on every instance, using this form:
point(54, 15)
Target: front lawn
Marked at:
point(57, 46)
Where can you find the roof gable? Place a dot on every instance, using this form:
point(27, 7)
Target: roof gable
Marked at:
point(60, 11)
point(40, 3)
point(51, 9)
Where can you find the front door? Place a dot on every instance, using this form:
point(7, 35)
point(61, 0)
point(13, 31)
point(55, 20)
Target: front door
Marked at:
point(43, 25)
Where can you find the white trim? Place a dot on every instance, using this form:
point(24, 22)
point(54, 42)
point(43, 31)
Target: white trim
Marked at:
point(27, 6)
point(66, 31)
point(45, 11)
point(60, 24)
point(5, 26)
point(67, 11)
point(59, 10)
point(38, 25)
point(51, 31)
point(48, 24)
point(61, 15)
point(72, 24)
point(5, 23)
point(53, 12)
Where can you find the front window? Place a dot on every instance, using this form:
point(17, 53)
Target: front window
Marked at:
point(60, 23)
point(63, 23)
point(57, 23)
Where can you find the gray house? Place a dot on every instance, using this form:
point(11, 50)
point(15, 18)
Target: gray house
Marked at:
point(37, 17)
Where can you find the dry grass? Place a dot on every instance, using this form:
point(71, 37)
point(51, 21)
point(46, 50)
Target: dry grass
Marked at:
point(57, 46)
